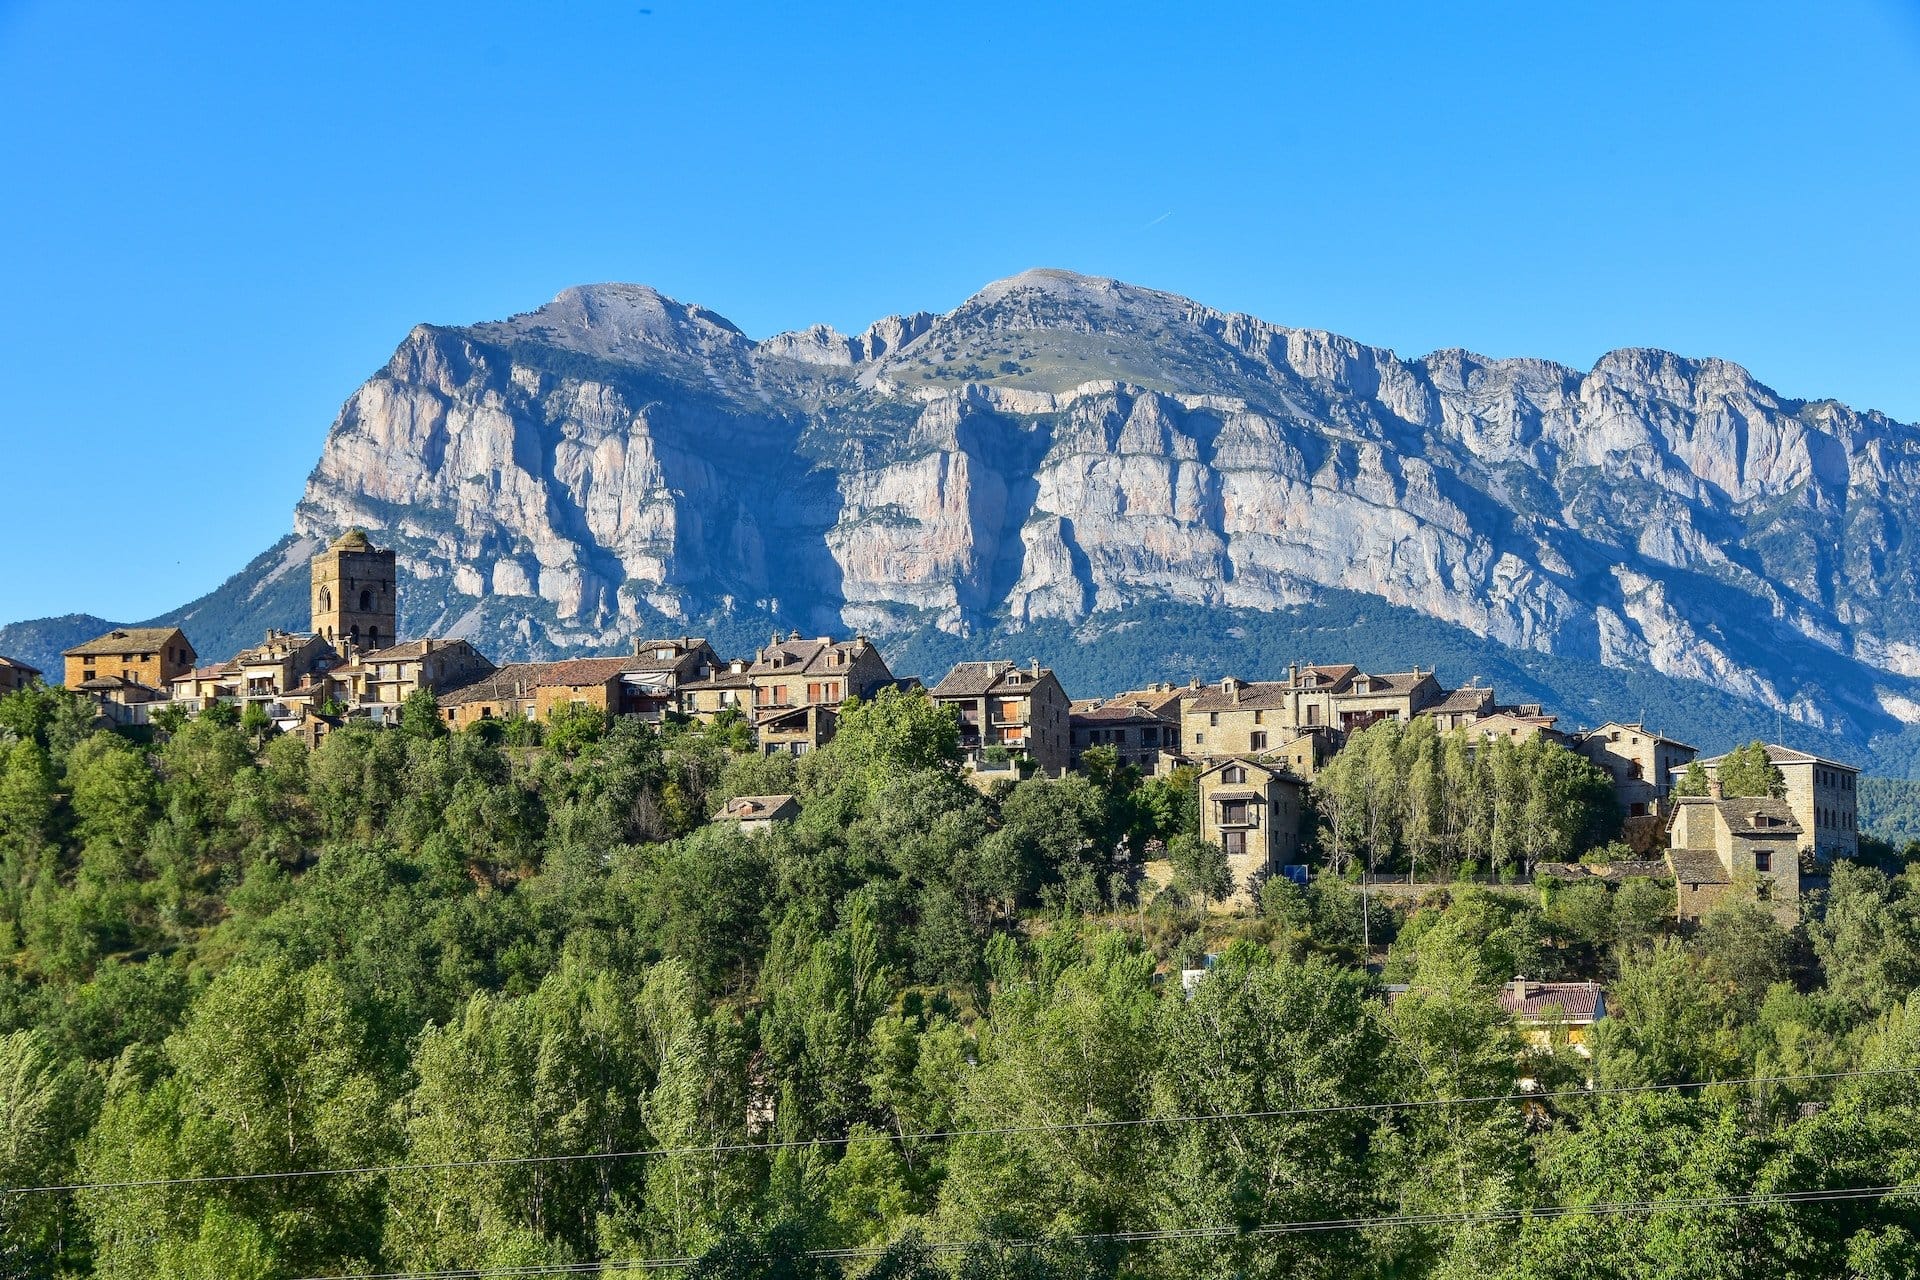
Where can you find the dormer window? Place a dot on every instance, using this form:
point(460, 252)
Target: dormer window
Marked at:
point(1233, 774)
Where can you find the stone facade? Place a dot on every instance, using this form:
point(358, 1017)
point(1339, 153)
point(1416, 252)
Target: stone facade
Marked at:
point(16, 675)
point(1022, 711)
point(147, 656)
point(1643, 764)
point(1141, 727)
point(354, 595)
point(1252, 810)
point(1822, 795)
point(1722, 849)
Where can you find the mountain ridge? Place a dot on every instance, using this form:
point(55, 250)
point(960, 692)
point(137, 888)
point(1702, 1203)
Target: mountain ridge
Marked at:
point(1062, 447)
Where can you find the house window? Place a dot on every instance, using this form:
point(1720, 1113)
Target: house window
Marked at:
point(1213, 719)
point(1259, 717)
point(1763, 861)
point(1313, 713)
point(1233, 774)
point(1233, 813)
point(1235, 843)
point(1259, 740)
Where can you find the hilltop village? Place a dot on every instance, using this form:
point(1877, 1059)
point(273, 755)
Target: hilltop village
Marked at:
point(1253, 748)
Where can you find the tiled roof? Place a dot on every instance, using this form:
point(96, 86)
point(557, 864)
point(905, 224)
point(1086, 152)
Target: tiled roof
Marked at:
point(1110, 713)
point(1263, 695)
point(14, 664)
point(1574, 1001)
point(579, 671)
point(1786, 755)
point(977, 679)
point(1758, 815)
point(398, 652)
point(516, 679)
point(807, 657)
point(126, 640)
point(720, 680)
point(1697, 866)
point(1389, 682)
point(749, 807)
point(1640, 729)
point(1472, 698)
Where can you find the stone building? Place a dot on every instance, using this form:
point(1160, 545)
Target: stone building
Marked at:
point(1822, 794)
point(354, 595)
point(1252, 810)
point(1722, 848)
point(16, 675)
point(726, 687)
point(797, 686)
point(1643, 764)
point(1022, 711)
point(148, 656)
point(380, 680)
point(1243, 717)
point(1141, 726)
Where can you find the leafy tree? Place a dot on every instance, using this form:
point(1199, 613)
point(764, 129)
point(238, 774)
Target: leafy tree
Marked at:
point(1748, 771)
point(1200, 867)
point(420, 716)
point(1693, 782)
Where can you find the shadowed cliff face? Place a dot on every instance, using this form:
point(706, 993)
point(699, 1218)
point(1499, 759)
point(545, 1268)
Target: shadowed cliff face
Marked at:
point(1058, 447)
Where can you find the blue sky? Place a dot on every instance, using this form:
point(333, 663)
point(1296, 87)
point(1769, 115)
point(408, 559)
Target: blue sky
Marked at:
point(217, 220)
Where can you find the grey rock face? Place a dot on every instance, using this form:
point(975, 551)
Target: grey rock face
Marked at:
point(1059, 446)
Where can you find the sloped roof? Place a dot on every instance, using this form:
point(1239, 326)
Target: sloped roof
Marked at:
point(1785, 755)
point(1758, 815)
point(516, 679)
point(1697, 866)
point(1262, 695)
point(749, 807)
point(1640, 729)
point(977, 679)
point(720, 680)
point(1471, 698)
point(14, 664)
point(127, 640)
point(582, 671)
point(807, 657)
point(1574, 1001)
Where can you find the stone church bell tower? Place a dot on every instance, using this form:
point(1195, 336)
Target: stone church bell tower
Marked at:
point(354, 601)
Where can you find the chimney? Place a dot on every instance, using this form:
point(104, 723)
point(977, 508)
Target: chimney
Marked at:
point(1715, 791)
point(1036, 666)
point(1293, 673)
point(1519, 986)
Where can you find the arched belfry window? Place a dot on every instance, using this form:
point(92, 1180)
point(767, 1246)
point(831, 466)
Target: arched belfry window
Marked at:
point(326, 599)
point(366, 600)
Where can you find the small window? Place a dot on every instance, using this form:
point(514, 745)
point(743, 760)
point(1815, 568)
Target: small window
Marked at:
point(1763, 861)
point(366, 601)
point(1259, 742)
point(1213, 719)
point(1233, 774)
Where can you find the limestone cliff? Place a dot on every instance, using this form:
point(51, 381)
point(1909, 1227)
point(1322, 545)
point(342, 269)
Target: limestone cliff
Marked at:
point(1059, 446)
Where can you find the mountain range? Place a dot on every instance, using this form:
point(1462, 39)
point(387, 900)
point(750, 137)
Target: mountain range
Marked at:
point(1132, 486)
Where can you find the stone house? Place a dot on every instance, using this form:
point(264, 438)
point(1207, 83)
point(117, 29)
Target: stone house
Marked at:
point(1643, 764)
point(148, 656)
point(16, 675)
point(756, 814)
point(283, 662)
point(1396, 695)
point(658, 670)
point(1518, 724)
point(1252, 810)
point(1142, 726)
point(797, 686)
point(1304, 752)
point(727, 686)
point(1823, 796)
point(1022, 711)
point(1236, 717)
point(1721, 848)
point(1461, 707)
point(382, 679)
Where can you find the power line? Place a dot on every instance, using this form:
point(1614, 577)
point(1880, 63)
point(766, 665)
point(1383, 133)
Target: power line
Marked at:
point(1476, 1217)
point(932, 1135)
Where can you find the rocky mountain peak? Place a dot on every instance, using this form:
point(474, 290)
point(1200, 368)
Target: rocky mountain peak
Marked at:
point(620, 321)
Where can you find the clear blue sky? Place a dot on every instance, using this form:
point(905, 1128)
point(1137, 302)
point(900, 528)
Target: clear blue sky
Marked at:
point(216, 220)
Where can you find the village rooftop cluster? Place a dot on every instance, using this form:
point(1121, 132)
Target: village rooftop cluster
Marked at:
point(1255, 746)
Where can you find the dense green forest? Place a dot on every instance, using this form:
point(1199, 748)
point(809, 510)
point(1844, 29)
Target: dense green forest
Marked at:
point(427, 1004)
